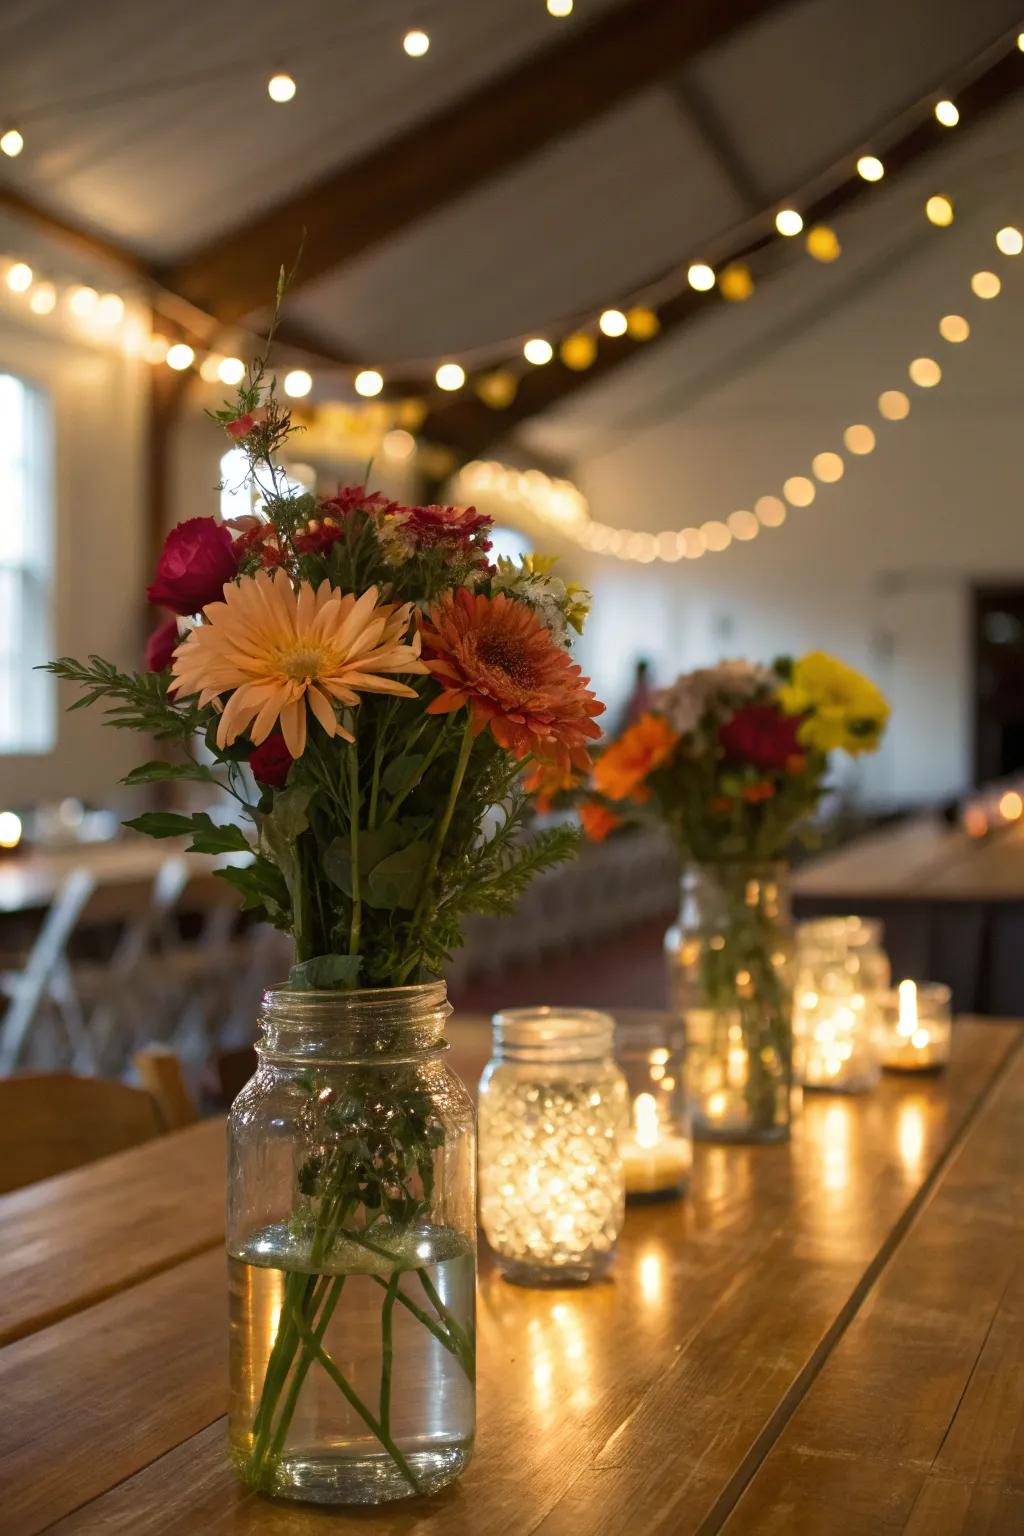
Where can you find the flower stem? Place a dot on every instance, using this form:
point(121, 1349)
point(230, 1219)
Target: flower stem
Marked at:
point(333, 1289)
point(434, 860)
point(357, 906)
point(387, 1352)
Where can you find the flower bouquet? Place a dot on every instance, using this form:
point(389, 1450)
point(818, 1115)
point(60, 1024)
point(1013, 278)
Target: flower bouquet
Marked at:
point(733, 760)
point(368, 690)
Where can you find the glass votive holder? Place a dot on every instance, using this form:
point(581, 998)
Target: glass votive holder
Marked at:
point(861, 939)
point(553, 1109)
point(835, 1010)
point(916, 1027)
point(657, 1149)
point(738, 1075)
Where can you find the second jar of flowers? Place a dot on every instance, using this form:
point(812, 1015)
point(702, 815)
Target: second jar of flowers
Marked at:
point(733, 760)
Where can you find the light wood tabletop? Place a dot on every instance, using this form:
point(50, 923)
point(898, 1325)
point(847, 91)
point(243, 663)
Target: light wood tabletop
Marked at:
point(825, 1336)
point(922, 859)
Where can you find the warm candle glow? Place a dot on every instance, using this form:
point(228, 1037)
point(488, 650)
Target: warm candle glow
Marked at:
point(645, 1120)
point(908, 1008)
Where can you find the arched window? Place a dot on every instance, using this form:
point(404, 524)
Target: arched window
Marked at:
point(27, 705)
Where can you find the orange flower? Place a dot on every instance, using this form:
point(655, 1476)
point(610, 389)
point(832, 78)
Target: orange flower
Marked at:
point(276, 651)
point(721, 805)
point(493, 654)
point(597, 820)
point(623, 769)
point(753, 794)
point(796, 763)
point(547, 780)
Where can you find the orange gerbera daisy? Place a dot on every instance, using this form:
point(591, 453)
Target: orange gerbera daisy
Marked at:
point(495, 655)
point(622, 771)
point(276, 650)
point(545, 781)
point(597, 820)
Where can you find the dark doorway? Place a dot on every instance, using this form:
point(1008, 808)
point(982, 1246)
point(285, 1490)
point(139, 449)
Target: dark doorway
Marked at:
point(998, 634)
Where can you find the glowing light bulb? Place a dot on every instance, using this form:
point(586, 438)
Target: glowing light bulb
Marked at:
point(82, 301)
point(578, 351)
point(954, 328)
point(985, 285)
point(110, 309)
point(859, 439)
point(1010, 241)
point(925, 372)
point(716, 536)
point(155, 349)
point(870, 168)
point(497, 389)
point(416, 43)
point(43, 299)
point(799, 491)
point(770, 511)
point(947, 114)
point(828, 467)
point(559, 8)
point(399, 444)
point(369, 383)
point(893, 405)
point(281, 87)
point(735, 282)
point(450, 376)
point(1011, 806)
point(19, 277)
point(939, 211)
point(231, 370)
point(12, 143)
point(298, 383)
point(180, 356)
point(823, 243)
point(788, 221)
point(642, 323)
point(743, 525)
point(700, 276)
point(538, 351)
point(613, 322)
point(209, 368)
point(10, 831)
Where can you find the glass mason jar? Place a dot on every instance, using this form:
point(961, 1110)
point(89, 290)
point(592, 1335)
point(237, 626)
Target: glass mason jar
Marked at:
point(351, 1236)
point(553, 1106)
point(841, 972)
point(657, 1153)
point(730, 980)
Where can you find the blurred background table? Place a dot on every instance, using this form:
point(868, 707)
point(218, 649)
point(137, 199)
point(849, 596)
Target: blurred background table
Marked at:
point(782, 1340)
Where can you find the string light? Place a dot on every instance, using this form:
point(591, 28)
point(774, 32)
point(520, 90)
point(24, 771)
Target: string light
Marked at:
point(497, 389)
point(985, 285)
point(155, 350)
point(925, 372)
point(828, 467)
point(859, 439)
point(893, 405)
point(560, 8)
point(298, 383)
point(788, 222)
point(735, 282)
point(799, 491)
point(1010, 241)
point(700, 276)
point(770, 511)
point(823, 243)
point(110, 309)
point(579, 350)
point(43, 299)
point(231, 370)
point(399, 444)
point(416, 43)
point(954, 328)
point(743, 525)
point(209, 368)
point(281, 87)
point(12, 143)
point(181, 356)
point(939, 210)
point(369, 383)
point(947, 114)
point(538, 351)
point(613, 322)
point(450, 376)
point(870, 168)
point(642, 323)
point(19, 277)
point(716, 536)
point(82, 301)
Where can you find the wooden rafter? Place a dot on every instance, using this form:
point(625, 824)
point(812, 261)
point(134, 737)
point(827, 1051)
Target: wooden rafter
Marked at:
point(468, 425)
point(482, 135)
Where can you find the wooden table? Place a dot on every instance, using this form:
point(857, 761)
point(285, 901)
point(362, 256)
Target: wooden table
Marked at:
point(826, 1337)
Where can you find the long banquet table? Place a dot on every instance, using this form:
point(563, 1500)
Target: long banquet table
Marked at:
point(825, 1337)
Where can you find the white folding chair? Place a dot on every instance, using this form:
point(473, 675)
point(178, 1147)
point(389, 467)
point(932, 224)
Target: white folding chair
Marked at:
point(41, 996)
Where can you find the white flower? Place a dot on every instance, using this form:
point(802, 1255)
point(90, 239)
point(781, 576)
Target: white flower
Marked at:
point(548, 596)
point(682, 704)
point(712, 691)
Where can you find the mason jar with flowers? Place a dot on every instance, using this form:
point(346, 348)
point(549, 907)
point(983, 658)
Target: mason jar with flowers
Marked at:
point(733, 759)
point(367, 691)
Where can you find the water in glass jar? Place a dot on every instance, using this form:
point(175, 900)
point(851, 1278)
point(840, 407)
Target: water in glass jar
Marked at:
point(353, 1383)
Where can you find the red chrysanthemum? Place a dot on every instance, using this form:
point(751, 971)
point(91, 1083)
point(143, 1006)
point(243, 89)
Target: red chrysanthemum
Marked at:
point(762, 735)
point(446, 525)
point(494, 655)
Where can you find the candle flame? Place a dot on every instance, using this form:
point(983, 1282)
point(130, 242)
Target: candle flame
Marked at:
point(645, 1120)
point(908, 1008)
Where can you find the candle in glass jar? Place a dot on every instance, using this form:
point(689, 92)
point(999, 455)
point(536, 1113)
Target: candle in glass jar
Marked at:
point(917, 1029)
point(655, 1161)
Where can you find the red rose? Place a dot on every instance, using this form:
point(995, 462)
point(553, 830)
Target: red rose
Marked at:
point(198, 557)
point(760, 734)
point(271, 761)
point(244, 424)
point(160, 645)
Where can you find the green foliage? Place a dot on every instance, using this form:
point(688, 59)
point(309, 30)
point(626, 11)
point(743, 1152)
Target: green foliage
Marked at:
point(207, 835)
point(325, 973)
point(161, 773)
point(133, 701)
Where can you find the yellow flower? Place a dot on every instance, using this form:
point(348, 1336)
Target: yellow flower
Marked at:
point(276, 650)
point(844, 709)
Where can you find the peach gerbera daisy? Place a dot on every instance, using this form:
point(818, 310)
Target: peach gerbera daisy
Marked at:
point(622, 770)
point(276, 651)
point(495, 655)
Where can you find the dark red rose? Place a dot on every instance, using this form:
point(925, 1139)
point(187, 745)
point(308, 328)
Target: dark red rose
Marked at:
point(198, 557)
point(760, 734)
point(271, 761)
point(160, 645)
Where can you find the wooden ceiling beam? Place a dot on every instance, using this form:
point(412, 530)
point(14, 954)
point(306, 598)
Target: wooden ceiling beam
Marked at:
point(503, 122)
point(471, 427)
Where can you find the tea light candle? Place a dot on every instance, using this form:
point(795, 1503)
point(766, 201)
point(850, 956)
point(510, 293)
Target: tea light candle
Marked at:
point(916, 1027)
point(656, 1162)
